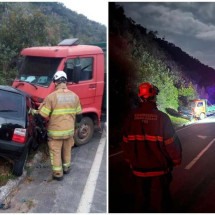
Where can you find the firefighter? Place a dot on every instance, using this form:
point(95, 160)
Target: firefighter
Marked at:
point(62, 109)
point(152, 149)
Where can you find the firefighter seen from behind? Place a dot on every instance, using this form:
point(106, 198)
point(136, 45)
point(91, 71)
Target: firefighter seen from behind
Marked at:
point(62, 109)
point(152, 149)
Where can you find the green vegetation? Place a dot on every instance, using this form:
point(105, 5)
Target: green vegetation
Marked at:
point(178, 122)
point(151, 60)
point(5, 178)
point(5, 171)
point(25, 24)
point(137, 55)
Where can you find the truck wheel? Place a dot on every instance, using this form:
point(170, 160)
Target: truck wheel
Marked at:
point(85, 131)
point(202, 116)
point(19, 165)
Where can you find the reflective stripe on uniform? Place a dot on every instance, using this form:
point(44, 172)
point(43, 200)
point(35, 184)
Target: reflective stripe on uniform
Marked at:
point(66, 165)
point(147, 137)
point(78, 109)
point(150, 174)
point(60, 133)
point(169, 141)
point(45, 111)
point(51, 157)
point(62, 111)
point(125, 139)
point(57, 168)
point(142, 137)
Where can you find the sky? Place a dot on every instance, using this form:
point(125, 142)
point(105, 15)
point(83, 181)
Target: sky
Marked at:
point(96, 10)
point(188, 25)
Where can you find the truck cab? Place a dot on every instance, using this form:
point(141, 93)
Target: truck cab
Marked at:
point(84, 66)
point(201, 108)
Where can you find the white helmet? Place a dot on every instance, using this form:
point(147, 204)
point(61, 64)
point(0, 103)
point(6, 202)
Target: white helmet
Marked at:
point(60, 76)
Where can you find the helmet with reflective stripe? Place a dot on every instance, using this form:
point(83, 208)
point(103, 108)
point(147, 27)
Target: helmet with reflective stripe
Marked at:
point(147, 90)
point(60, 76)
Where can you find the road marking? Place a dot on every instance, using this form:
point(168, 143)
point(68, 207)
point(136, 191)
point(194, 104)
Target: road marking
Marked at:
point(202, 137)
point(90, 186)
point(199, 155)
point(120, 152)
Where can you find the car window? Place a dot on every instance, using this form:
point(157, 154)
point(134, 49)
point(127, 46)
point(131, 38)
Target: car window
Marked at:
point(11, 104)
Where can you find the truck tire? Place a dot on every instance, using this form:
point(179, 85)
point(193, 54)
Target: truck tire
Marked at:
point(202, 116)
point(19, 165)
point(85, 131)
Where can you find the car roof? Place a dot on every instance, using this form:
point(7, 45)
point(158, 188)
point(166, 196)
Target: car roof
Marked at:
point(13, 90)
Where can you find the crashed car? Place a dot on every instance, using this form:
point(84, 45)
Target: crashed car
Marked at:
point(17, 127)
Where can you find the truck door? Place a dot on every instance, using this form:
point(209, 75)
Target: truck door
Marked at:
point(201, 106)
point(86, 88)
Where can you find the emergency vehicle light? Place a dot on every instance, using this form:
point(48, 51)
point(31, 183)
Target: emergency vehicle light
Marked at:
point(69, 42)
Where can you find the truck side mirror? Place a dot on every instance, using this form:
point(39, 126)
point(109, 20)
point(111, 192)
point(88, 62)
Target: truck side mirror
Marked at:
point(77, 73)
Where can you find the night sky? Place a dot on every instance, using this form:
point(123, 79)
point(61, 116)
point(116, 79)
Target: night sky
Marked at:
point(188, 25)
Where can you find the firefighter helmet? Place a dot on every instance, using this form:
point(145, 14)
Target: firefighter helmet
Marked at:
point(147, 90)
point(60, 76)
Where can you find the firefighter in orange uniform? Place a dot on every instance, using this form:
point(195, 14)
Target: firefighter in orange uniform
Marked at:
point(61, 108)
point(152, 149)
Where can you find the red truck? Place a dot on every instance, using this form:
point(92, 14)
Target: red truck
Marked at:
point(84, 65)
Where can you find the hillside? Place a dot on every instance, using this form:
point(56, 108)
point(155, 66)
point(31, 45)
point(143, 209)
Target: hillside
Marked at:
point(70, 23)
point(25, 24)
point(143, 44)
point(192, 67)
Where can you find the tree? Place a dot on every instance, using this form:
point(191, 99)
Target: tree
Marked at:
point(26, 24)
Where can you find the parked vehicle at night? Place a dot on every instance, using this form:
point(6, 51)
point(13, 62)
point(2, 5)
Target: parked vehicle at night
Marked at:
point(198, 108)
point(85, 69)
point(17, 128)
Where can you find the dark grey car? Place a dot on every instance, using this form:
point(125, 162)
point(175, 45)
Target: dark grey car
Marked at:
point(17, 127)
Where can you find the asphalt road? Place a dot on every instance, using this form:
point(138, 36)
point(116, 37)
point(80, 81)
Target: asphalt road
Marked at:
point(83, 190)
point(193, 186)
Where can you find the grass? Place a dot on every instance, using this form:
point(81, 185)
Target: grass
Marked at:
point(178, 121)
point(5, 171)
point(6, 165)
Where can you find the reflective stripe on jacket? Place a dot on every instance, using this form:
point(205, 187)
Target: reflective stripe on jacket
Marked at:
point(150, 143)
point(61, 107)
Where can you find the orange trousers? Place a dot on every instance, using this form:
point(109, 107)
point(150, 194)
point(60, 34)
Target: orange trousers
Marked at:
point(60, 154)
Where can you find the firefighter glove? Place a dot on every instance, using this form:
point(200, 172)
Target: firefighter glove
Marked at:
point(32, 111)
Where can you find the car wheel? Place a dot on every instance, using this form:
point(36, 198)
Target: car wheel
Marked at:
point(19, 165)
point(202, 116)
point(85, 131)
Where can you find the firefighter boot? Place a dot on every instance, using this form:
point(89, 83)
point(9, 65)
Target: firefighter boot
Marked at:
point(66, 170)
point(55, 147)
point(57, 176)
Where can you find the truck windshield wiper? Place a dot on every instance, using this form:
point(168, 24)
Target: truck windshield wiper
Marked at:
point(21, 82)
point(8, 110)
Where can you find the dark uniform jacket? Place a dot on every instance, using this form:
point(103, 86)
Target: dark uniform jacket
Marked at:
point(150, 143)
